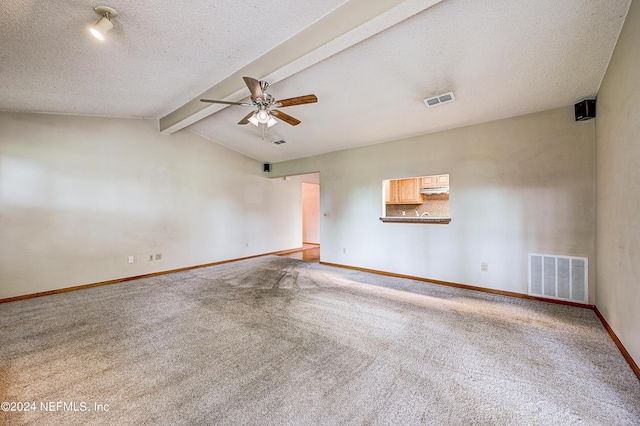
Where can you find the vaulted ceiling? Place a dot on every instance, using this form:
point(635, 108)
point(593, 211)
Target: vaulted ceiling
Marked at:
point(369, 63)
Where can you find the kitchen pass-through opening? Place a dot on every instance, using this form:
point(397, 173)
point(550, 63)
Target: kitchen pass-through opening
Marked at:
point(418, 198)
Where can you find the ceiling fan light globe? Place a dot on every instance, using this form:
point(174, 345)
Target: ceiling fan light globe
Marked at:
point(271, 122)
point(263, 117)
point(253, 120)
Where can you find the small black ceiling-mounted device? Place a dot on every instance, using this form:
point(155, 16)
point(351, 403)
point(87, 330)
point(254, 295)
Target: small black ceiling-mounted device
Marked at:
point(267, 167)
point(585, 109)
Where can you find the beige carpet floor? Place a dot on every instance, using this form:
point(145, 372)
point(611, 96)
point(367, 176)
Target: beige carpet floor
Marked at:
point(278, 341)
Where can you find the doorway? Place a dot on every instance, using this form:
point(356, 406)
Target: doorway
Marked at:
point(310, 211)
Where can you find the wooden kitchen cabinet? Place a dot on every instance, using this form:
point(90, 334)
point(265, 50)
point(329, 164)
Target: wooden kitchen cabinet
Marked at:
point(410, 191)
point(428, 182)
point(442, 180)
point(433, 181)
point(404, 191)
point(392, 192)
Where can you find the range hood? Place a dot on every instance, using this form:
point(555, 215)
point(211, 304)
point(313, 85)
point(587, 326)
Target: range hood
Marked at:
point(435, 190)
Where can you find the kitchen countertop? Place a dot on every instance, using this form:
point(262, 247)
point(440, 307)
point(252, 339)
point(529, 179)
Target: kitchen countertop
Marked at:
point(410, 219)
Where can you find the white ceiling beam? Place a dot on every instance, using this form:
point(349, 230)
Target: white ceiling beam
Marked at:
point(345, 26)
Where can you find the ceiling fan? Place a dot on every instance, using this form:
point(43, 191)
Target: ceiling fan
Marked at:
point(264, 115)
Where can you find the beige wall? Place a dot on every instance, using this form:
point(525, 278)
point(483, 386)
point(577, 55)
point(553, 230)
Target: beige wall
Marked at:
point(78, 195)
point(618, 180)
point(311, 213)
point(520, 185)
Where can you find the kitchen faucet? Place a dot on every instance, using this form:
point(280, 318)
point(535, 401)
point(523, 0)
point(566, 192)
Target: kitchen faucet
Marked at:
point(426, 214)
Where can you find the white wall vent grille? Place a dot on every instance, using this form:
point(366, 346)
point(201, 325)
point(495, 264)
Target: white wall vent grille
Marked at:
point(440, 99)
point(559, 277)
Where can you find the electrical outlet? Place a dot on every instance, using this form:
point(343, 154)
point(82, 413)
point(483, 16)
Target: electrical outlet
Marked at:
point(246, 244)
point(131, 259)
point(484, 267)
point(150, 258)
point(158, 256)
point(344, 250)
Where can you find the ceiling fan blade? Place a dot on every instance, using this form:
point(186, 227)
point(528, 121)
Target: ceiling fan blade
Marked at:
point(254, 87)
point(213, 101)
point(246, 119)
point(300, 100)
point(286, 117)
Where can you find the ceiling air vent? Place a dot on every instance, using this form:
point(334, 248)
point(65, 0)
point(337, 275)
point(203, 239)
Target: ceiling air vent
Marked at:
point(279, 142)
point(440, 99)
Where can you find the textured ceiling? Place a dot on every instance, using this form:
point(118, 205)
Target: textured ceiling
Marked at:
point(160, 53)
point(501, 58)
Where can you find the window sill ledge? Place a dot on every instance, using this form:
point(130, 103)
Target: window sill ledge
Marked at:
point(438, 220)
